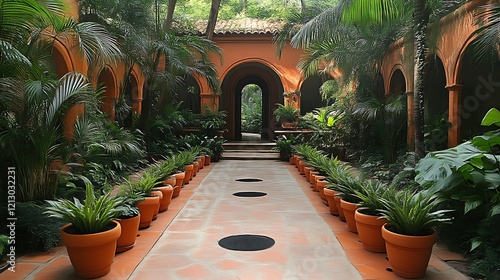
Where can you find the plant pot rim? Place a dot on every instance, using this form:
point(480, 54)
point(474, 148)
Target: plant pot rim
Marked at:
point(386, 228)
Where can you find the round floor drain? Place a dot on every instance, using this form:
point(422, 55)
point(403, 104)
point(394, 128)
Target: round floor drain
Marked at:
point(249, 194)
point(246, 242)
point(249, 180)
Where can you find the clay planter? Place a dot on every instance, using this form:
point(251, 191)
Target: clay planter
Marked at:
point(91, 254)
point(330, 197)
point(408, 255)
point(349, 210)
point(167, 191)
point(311, 176)
point(170, 181)
point(301, 167)
point(370, 231)
point(179, 181)
point(341, 211)
point(315, 182)
point(160, 195)
point(196, 168)
point(207, 160)
point(130, 227)
point(147, 208)
point(202, 163)
point(188, 174)
point(320, 185)
point(307, 172)
point(292, 160)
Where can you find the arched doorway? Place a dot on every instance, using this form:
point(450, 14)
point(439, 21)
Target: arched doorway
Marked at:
point(189, 94)
point(435, 105)
point(106, 79)
point(480, 92)
point(230, 99)
point(310, 95)
point(398, 83)
point(251, 109)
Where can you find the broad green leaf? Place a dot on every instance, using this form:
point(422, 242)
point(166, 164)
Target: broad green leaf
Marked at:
point(472, 203)
point(495, 210)
point(492, 117)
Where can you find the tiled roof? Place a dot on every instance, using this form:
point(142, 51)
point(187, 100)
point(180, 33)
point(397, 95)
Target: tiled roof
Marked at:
point(242, 26)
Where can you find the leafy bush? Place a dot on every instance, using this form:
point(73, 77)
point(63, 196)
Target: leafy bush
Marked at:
point(34, 230)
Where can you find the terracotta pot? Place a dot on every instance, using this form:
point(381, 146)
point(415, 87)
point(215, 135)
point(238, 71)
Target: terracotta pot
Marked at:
point(341, 211)
point(167, 191)
point(160, 195)
point(307, 171)
point(188, 174)
point(130, 227)
point(315, 182)
point(202, 164)
point(302, 164)
point(179, 181)
point(370, 231)
point(170, 181)
point(207, 160)
point(196, 168)
point(330, 197)
point(312, 174)
point(349, 210)
point(320, 185)
point(147, 208)
point(91, 254)
point(292, 160)
point(408, 255)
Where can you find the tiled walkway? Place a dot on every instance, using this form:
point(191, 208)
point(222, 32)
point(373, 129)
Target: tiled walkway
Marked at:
point(183, 242)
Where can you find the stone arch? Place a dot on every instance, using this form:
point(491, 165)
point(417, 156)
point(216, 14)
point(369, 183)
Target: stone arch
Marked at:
point(62, 59)
point(107, 79)
point(250, 71)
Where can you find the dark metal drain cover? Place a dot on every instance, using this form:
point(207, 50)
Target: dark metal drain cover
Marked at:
point(246, 242)
point(249, 194)
point(249, 180)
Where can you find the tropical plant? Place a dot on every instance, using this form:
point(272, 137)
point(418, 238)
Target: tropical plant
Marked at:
point(285, 145)
point(216, 147)
point(213, 121)
point(413, 213)
point(371, 193)
point(91, 216)
point(389, 122)
point(467, 176)
point(4, 245)
point(286, 113)
point(30, 128)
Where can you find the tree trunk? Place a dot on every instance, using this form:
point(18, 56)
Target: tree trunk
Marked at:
point(420, 21)
point(170, 15)
point(212, 20)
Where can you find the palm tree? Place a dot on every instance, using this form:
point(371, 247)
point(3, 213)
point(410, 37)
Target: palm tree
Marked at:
point(488, 32)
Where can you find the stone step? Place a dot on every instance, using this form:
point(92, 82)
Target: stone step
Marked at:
point(254, 146)
point(240, 155)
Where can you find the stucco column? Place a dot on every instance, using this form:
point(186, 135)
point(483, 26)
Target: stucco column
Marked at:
point(210, 100)
point(70, 119)
point(455, 92)
point(137, 105)
point(410, 137)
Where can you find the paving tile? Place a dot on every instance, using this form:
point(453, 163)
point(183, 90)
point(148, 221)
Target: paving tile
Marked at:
point(21, 271)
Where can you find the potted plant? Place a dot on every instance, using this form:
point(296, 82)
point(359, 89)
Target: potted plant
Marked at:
point(368, 216)
point(213, 122)
point(92, 232)
point(166, 169)
point(143, 187)
point(129, 220)
point(287, 115)
point(410, 232)
point(216, 147)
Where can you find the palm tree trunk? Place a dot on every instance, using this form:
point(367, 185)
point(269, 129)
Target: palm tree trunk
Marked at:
point(212, 20)
point(170, 15)
point(420, 21)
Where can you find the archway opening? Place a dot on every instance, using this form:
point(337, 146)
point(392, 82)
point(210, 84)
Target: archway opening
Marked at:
point(230, 100)
point(189, 94)
point(480, 92)
point(251, 109)
point(398, 83)
point(435, 105)
point(310, 94)
point(106, 80)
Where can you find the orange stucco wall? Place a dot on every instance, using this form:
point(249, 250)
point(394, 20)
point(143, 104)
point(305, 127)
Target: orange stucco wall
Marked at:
point(454, 33)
